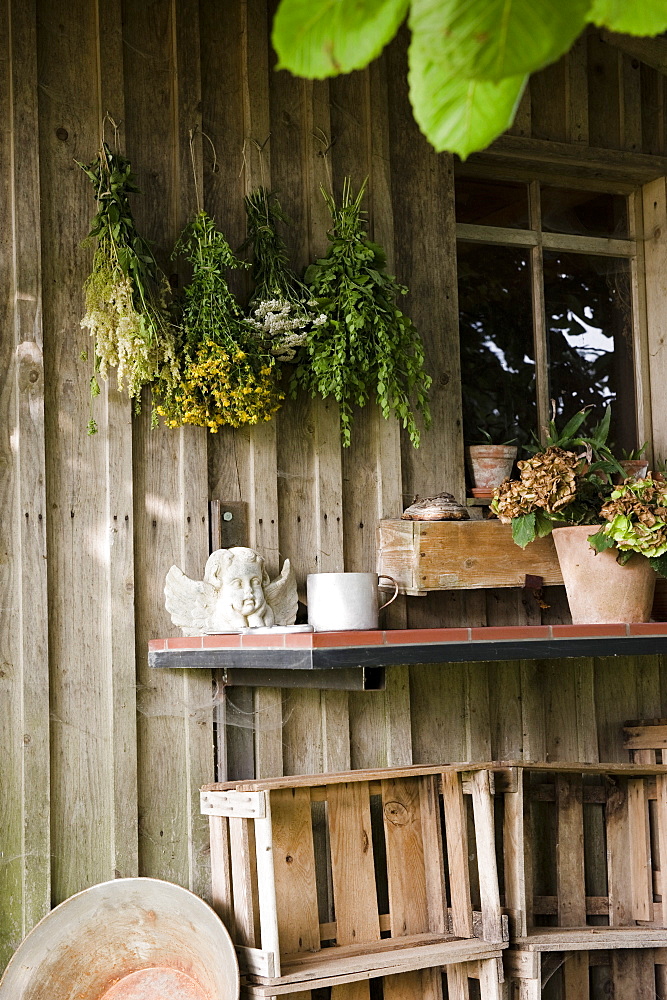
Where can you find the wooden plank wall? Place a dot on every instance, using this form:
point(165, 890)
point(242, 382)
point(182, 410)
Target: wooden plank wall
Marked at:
point(101, 758)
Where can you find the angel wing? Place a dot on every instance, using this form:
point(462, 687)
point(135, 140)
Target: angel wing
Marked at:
point(190, 603)
point(281, 596)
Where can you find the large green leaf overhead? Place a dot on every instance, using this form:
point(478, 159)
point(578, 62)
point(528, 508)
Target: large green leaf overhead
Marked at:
point(494, 39)
point(455, 113)
point(631, 17)
point(320, 38)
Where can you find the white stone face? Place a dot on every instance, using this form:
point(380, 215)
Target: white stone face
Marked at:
point(236, 593)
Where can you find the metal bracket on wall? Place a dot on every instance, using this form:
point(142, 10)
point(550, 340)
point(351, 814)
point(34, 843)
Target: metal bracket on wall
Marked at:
point(345, 679)
point(228, 524)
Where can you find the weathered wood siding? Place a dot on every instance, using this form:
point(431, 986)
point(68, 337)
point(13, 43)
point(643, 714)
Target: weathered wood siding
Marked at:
point(100, 758)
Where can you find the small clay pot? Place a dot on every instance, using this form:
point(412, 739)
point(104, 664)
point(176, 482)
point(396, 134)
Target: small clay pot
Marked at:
point(634, 468)
point(490, 465)
point(599, 591)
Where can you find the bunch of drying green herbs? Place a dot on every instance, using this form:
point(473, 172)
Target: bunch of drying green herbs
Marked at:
point(126, 292)
point(281, 309)
point(367, 347)
point(227, 375)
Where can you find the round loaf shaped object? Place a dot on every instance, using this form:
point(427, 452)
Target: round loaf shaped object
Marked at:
point(441, 508)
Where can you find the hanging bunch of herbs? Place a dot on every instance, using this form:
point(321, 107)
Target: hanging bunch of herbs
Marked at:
point(281, 309)
point(227, 376)
point(367, 347)
point(126, 291)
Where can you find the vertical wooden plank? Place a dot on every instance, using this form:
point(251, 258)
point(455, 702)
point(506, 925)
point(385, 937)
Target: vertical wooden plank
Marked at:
point(437, 699)
point(640, 850)
point(576, 82)
point(516, 859)
point(652, 111)
point(335, 731)
point(294, 868)
point(604, 93)
point(221, 869)
point(352, 868)
point(477, 712)
point(398, 717)
point(426, 263)
point(549, 108)
point(655, 256)
point(533, 717)
point(171, 496)
point(24, 670)
point(482, 804)
point(456, 832)
point(506, 719)
point(268, 909)
point(618, 852)
point(631, 97)
point(244, 882)
point(571, 889)
point(352, 874)
point(661, 819)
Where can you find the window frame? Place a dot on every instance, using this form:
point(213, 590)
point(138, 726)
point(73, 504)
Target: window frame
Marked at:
point(535, 240)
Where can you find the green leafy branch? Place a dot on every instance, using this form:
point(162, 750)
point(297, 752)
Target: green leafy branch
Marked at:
point(469, 60)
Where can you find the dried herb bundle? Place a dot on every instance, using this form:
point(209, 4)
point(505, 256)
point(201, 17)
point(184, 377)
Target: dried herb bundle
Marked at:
point(367, 347)
point(126, 292)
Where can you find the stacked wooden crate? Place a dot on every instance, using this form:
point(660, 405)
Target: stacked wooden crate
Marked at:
point(333, 880)
point(580, 848)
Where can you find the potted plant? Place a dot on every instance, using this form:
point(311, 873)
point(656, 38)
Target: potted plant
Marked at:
point(609, 573)
point(633, 463)
point(489, 464)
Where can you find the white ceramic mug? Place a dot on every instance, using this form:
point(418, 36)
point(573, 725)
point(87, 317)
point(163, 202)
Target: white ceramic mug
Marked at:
point(338, 602)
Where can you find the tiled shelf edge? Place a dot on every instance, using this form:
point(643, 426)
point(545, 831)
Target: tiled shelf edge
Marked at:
point(334, 651)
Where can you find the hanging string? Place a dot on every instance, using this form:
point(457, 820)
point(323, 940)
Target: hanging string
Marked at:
point(191, 135)
point(115, 127)
point(320, 136)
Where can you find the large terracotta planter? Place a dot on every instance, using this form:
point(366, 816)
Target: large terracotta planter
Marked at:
point(490, 465)
point(599, 591)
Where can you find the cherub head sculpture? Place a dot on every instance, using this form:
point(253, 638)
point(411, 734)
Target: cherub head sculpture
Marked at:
point(236, 592)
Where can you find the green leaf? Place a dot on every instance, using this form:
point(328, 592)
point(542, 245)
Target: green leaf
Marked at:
point(659, 564)
point(495, 39)
point(458, 115)
point(600, 541)
point(524, 529)
point(320, 38)
point(631, 17)
point(543, 524)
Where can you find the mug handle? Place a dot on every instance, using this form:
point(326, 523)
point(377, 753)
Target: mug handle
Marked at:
point(383, 576)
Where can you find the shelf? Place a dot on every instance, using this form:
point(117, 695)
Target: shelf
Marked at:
point(312, 659)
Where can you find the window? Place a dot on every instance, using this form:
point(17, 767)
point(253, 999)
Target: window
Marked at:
point(545, 308)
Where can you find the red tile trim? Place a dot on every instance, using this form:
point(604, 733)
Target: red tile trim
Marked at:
point(299, 640)
point(648, 628)
point(185, 642)
point(263, 641)
point(361, 638)
point(223, 641)
point(408, 636)
point(499, 632)
point(580, 631)
point(157, 644)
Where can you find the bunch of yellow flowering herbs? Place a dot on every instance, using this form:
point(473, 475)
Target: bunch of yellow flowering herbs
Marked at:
point(227, 376)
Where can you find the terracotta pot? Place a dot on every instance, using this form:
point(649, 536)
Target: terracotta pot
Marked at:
point(599, 591)
point(490, 465)
point(635, 468)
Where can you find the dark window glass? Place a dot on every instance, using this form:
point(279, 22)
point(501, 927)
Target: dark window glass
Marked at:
point(584, 213)
point(589, 332)
point(497, 360)
point(488, 203)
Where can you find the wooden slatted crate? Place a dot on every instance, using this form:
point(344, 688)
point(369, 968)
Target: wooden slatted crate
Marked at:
point(399, 834)
point(599, 817)
point(626, 973)
point(460, 555)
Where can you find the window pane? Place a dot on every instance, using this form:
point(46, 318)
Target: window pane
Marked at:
point(584, 213)
point(488, 203)
point(589, 331)
point(495, 325)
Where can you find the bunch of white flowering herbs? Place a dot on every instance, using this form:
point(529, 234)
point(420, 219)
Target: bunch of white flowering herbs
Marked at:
point(126, 291)
point(366, 347)
point(280, 310)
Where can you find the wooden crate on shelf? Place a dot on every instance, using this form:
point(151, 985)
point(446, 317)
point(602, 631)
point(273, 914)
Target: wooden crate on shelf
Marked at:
point(461, 555)
point(582, 975)
point(385, 839)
